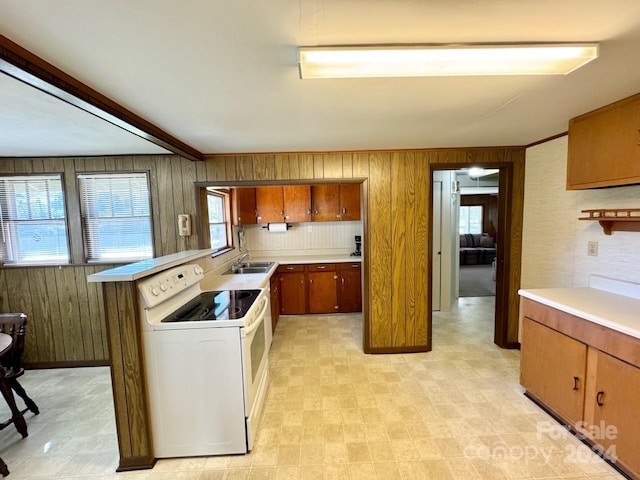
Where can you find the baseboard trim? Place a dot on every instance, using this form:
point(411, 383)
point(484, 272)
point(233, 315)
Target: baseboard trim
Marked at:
point(73, 364)
point(408, 349)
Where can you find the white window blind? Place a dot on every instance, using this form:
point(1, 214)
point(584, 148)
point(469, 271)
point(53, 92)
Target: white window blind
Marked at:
point(116, 217)
point(33, 220)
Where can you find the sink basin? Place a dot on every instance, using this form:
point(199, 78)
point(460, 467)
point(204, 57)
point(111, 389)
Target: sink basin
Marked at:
point(247, 270)
point(256, 264)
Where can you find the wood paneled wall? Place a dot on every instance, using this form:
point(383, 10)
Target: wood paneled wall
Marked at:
point(489, 205)
point(67, 325)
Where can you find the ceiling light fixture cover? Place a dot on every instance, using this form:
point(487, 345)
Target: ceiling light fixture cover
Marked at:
point(444, 60)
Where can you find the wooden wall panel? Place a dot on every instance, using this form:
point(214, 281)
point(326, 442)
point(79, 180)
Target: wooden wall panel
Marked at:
point(489, 205)
point(380, 250)
point(411, 221)
point(395, 228)
point(264, 167)
point(398, 246)
point(281, 167)
point(423, 246)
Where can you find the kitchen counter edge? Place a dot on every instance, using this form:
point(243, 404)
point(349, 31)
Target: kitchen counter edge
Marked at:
point(611, 310)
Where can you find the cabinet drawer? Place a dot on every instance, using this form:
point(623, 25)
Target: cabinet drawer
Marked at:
point(348, 266)
point(322, 267)
point(290, 268)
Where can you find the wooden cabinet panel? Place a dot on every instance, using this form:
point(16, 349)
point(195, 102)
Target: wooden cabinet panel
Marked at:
point(293, 293)
point(604, 146)
point(290, 268)
point(612, 408)
point(274, 286)
point(326, 202)
point(350, 201)
point(297, 203)
point(244, 206)
point(349, 287)
point(334, 202)
point(269, 203)
point(321, 267)
point(552, 368)
point(323, 292)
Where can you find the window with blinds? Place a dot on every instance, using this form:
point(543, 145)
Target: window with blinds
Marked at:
point(116, 216)
point(33, 220)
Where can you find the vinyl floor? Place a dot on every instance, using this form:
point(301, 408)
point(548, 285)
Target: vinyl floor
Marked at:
point(332, 412)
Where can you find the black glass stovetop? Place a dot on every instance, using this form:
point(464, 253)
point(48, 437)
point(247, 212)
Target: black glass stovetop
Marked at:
point(215, 305)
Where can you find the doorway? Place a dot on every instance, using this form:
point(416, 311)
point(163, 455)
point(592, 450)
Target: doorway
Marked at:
point(445, 191)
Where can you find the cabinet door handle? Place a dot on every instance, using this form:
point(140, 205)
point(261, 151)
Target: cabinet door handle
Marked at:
point(576, 383)
point(315, 212)
point(289, 268)
point(344, 211)
point(311, 280)
point(309, 212)
point(321, 267)
point(343, 281)
point(599, 398)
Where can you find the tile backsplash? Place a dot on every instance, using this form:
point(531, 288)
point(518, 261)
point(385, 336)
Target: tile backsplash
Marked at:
point(304, 237)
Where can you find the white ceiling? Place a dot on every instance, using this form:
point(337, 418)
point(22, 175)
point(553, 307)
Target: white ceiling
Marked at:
point(222, 76)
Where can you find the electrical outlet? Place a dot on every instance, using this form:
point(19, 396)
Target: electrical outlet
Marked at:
point(592, 249)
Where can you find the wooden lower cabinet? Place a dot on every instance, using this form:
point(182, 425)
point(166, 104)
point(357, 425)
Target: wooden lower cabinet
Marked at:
point(588, 376)
point(320, 288)
point(349, 287)
point(274, 287)
point(552, 367)
point(612, 408)
point(293, 290)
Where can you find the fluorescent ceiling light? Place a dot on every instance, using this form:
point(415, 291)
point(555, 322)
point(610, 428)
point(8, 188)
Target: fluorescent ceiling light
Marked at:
point(457, 60)
point(476, 172)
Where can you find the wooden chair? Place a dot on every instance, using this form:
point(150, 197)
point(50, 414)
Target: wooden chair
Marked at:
point(14, 325)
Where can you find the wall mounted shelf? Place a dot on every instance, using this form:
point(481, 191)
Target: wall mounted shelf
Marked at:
point(619, 219)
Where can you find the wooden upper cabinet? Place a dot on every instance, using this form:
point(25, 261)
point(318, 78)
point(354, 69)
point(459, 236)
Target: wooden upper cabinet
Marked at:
point(297, 203)
point(244, 206)
point(350, 201)
point(326, 202)
point(604, 146)
point(335, 202)
point(270, 204)
point(289, 203)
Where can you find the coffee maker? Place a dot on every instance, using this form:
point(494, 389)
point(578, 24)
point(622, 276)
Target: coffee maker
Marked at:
point(357, 253)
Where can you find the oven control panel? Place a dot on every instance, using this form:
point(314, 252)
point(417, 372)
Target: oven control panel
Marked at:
point(165, 285)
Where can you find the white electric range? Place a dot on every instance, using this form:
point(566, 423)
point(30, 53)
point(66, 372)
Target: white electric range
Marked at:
point(206, 361)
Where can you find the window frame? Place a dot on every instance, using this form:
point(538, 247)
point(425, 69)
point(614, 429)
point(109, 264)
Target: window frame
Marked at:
point(65, 220)
point(469, 207)
point(82, 220)
point(202, 193)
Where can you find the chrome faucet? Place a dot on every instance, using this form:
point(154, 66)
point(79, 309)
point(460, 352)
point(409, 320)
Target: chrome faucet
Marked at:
point(237, 263)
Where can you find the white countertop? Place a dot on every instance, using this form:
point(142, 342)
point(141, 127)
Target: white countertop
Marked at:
point(144, 268)
point(219, 281)
point(612, 310)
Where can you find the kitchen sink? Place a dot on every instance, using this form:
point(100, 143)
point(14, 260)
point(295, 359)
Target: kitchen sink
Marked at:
point(256, 264)
point(255, 267)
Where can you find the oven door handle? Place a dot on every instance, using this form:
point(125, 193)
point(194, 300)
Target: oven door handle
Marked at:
point(258, 318)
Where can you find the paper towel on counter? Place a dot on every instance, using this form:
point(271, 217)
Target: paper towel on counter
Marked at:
point(277, 227)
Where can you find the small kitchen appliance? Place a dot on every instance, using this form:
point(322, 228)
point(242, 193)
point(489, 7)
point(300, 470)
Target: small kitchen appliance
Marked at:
point(357, 253)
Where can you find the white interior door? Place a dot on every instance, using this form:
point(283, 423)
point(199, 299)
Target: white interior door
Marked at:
point(436, 277)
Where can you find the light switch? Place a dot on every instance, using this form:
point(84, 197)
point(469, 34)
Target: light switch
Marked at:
point(592, 249)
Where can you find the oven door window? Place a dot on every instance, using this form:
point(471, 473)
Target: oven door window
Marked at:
point(258, 344)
